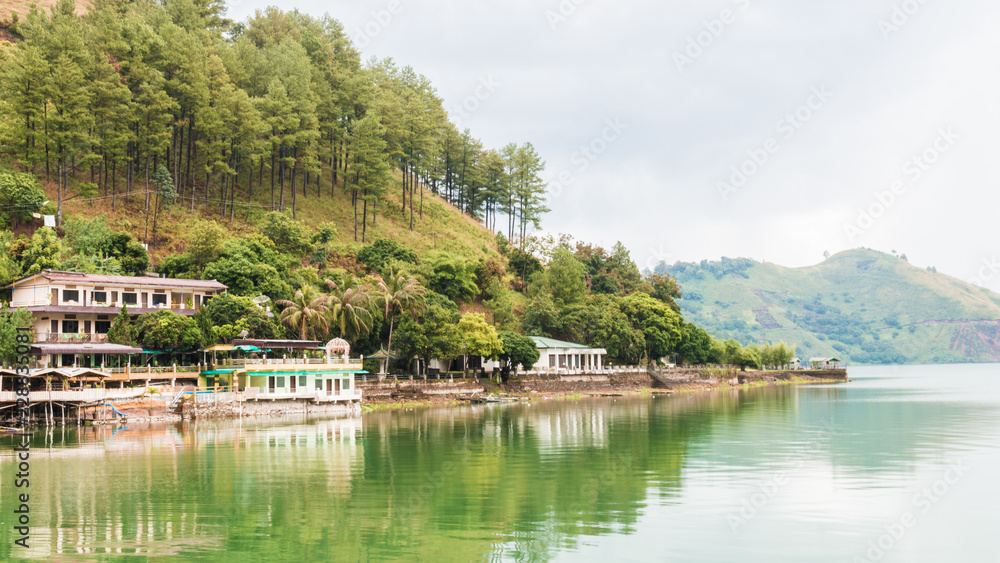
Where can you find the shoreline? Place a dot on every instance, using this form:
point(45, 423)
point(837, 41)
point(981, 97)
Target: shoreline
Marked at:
point(412, 393)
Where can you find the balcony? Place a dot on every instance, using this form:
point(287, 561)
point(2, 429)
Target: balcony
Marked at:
point(265, 394)
point(71, 337)
point(339, 363)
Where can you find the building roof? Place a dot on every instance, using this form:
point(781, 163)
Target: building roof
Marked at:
point(102, 279)
point(267, 343)
point(543, 342)
point(824, 359)
point(103, 310)
point(83, 348)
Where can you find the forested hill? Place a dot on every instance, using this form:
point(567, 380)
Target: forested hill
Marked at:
point(266, 155)
point(278, 112)
point(860, 305)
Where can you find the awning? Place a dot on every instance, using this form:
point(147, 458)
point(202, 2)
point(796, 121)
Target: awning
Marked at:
point(76, 373)
point(247, 348)
point(311, 372)
point(83, 348)
point(267, 343)
point(219, 348)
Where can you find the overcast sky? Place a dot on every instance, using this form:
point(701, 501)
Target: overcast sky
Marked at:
point(823, 105)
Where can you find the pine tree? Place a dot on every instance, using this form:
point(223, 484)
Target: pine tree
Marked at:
point(370, 167)
point(122, 331)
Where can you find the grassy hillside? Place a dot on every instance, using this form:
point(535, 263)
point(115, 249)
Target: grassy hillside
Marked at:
point(861, 305)
point(22, 7)
point(443, 227)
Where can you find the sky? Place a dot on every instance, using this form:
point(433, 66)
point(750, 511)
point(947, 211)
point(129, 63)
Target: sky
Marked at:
point(689, 130)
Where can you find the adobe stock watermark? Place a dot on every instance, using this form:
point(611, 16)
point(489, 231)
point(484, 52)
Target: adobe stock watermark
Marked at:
point(756, 501)
point(986, 272)
point(483, 91)
point(431, 483)
point(786, 127)
point(656, 257)
point(22, 409)
point(705, 38)
point(564, 10)
point(608, 476)
point(753, 504)
point(914, 169)
point(587, 154)
point(921, 503)
point(379, 21)
point(900, 16)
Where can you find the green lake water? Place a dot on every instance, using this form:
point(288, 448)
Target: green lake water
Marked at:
point(905, 457)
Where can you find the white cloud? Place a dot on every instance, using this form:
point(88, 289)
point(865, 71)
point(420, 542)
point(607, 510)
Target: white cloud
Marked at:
point(655, 187)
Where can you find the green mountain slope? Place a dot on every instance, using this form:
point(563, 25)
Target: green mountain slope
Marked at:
point(860, 305)
point(443, 227)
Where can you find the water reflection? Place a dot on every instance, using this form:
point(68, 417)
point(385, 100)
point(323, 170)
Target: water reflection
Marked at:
point(537, 481)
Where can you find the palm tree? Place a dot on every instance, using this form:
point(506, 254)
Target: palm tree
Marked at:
point(400, 294)
point(349, 310)
point(306, 312)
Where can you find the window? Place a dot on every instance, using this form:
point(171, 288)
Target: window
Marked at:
point(102, 327)
point(129, 298)
point(347, 384)
point(71, 327)
point(71, 295)
point(302, 381)
point(100, 296)
point(280, 381)
point(159, 299)
point(319, 384)
point(552, 360)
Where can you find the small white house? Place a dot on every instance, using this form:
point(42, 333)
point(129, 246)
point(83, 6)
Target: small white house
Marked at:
point(554, 356)
point(824, 363)
point(559, 355)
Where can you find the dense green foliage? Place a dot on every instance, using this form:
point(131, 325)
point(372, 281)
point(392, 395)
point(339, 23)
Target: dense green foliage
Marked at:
point(172, 109)
point(10, 321)
point(169, 101)
point(20, 197)
point(381, 252)
point(122, 330)
point(518, 352)
point(168, 331)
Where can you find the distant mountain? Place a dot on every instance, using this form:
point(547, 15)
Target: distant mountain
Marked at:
point(863, 306)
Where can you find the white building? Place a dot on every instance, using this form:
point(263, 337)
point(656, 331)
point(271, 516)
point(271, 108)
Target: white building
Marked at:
point(73, 311)
point(558, 355)
point(555, 356)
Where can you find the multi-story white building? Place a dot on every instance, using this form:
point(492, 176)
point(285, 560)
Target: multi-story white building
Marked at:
point(73, 311)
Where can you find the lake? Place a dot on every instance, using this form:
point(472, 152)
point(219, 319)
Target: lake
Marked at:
point(901, 464)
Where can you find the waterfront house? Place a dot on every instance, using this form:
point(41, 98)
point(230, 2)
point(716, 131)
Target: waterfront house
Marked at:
point(73, 311)
point(824, 363)
point(555, 355)
point(300, 370)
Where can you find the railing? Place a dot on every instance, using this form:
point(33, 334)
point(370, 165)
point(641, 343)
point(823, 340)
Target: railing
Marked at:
point(239, 362)
point(606, 370)
point(77, 395)
point(307, 394)
point(117, 304)
point(80, 337)
point(164, 369)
